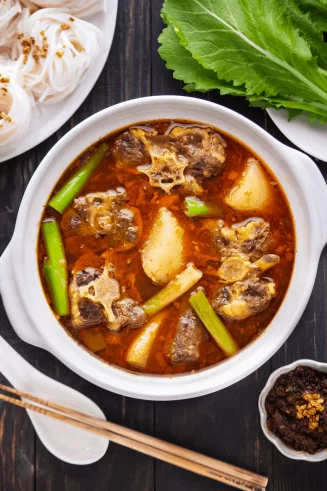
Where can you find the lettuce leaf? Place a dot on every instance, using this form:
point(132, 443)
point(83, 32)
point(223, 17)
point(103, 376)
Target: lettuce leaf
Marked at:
point(295, 107)
point(317, 10)
point(310, 30)
point(198, 78)
point(187, 69)
point(253, 46)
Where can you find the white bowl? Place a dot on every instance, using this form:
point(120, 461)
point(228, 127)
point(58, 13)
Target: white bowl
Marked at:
point(22, 292)
point(284, 449)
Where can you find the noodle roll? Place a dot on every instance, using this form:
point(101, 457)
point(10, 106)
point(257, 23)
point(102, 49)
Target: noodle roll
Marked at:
point(53, 51)
point(15, 108)
point(80, 8)
point(9, 16)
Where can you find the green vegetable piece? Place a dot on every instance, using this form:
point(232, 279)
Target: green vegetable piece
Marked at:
point(194, 207)
point(189, 70)
point(212, 322)
point(67, 193)
point(55, 267)
point(317, 10)
point(198, 78)
point(314, 110)
point(281, 59)
point(311, 31)
point(175, 288)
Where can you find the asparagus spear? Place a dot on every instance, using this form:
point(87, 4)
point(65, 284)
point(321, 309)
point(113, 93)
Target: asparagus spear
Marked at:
point(55, 267)
point(194, 207)
point(67, 193)
point(173, 290)
point(212, 322)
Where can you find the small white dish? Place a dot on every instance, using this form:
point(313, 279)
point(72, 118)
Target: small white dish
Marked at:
point(66, 442)
point(312, 139)
point(47, 119)
point(284, 449)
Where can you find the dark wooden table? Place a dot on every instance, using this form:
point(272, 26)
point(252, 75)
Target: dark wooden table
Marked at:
point(224, 425)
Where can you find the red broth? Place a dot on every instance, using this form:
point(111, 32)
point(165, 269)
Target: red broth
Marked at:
point(199, 249)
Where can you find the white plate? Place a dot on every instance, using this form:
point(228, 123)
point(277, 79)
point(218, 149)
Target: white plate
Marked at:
point(312, 139)
point(47, 119)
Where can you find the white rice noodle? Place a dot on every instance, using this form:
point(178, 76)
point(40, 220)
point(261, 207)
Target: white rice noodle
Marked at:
point(9, 16)
point(5, 56)
point(80, 8)
point(31, 5)
point(64, 48)
point(15, 109)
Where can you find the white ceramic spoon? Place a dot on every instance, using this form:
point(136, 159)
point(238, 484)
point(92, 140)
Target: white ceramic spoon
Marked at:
point(66, 442)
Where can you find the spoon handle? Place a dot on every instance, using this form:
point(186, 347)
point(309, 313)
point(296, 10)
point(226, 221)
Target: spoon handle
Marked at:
point(74, 445)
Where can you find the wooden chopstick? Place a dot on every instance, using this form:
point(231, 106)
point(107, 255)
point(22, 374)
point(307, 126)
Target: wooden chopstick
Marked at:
point(168, 452)
point(148, 440)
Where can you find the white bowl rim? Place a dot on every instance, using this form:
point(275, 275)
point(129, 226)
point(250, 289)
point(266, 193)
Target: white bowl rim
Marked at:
point(203, 382)
point(279, 444)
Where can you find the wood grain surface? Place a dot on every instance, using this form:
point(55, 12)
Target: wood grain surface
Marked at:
point(224, 425)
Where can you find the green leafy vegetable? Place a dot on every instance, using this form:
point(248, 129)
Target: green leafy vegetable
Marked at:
point(312, 32)
point(280, 61)
point(317, 10)
point(187, 69)
point(294, 106)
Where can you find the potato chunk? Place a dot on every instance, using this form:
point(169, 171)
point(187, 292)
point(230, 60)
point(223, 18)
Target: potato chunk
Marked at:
point(163, 253)
point(139, 350)
point(253, 191)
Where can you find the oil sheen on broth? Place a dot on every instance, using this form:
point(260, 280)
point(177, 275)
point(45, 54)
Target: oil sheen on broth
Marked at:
point(142, 234)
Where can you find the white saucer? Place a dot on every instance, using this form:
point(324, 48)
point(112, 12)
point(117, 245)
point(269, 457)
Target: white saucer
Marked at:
point(312, 139)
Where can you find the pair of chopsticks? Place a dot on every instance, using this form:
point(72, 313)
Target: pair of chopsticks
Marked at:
point(149, 445)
